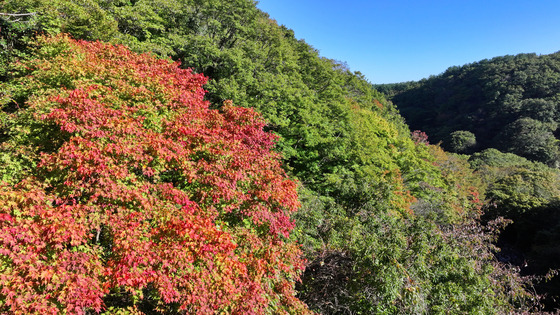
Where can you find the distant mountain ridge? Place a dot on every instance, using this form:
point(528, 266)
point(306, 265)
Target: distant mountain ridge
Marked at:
point(510, 103)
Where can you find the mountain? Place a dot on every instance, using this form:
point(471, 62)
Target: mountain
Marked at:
point(508, 103)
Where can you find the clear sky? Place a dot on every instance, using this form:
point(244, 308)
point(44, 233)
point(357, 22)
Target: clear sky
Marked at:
point(403, 40)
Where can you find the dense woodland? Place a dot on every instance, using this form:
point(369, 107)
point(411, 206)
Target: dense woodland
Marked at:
point(508, 103)
point(503, 112)
point(193, 156)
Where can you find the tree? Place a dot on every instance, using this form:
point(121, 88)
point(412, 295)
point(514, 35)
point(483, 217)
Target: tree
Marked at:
point(461, 141)
point(124, 191)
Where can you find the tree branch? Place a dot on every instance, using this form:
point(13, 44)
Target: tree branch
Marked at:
point(18, 14)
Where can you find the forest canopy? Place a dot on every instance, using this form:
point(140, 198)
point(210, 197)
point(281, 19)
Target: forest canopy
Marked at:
point(180, 201)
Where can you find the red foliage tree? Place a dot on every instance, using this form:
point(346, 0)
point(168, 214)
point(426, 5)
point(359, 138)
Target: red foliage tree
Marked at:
point(140, 196)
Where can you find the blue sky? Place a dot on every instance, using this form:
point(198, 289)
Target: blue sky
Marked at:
point(402, 40)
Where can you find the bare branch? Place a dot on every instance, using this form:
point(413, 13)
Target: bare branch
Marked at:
point(17, 14)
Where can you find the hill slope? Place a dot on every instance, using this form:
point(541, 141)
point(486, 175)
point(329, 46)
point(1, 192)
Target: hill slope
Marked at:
point(508, 103)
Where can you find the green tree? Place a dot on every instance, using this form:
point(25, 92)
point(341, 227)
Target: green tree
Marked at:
point(461, 141)
point(484, 98)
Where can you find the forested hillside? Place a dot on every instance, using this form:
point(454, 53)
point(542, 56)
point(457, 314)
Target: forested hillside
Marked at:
point(166, 202)
point(508, 103)
point(503, 111)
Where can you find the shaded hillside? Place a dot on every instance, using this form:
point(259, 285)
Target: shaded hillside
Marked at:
point(508, 103)
point(387, 222)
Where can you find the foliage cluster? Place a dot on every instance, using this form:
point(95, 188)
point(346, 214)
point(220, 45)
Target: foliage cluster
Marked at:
point(509, 104)
point(121, 188)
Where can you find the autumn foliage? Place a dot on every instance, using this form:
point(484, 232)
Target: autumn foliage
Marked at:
point(124, 191)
